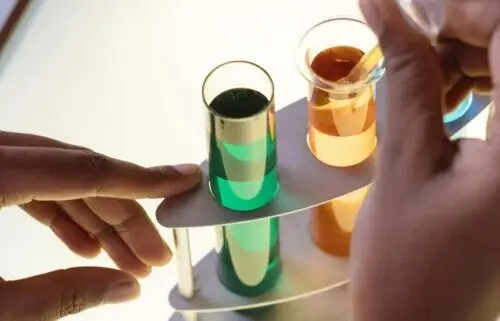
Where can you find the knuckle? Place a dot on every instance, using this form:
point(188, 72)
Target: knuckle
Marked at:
point(95, 162)
point(95, 165)
point(74, 301)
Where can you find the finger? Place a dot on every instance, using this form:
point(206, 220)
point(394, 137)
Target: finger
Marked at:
point(54, 295)
point(472, 61)
point(460, 61)
point(30, 140)
point(494, 59)
point(414, 128)
point(457, 94)
point(110, 241)
point(58, 174)
point(134, 227)
point(471, 22)
point(75, 238)
point(452, 73)
point(483, 85)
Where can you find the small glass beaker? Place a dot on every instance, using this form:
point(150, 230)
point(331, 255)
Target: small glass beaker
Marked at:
point(341, 116)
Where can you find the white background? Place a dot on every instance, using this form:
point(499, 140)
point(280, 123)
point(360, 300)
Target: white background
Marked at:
point(124, 77)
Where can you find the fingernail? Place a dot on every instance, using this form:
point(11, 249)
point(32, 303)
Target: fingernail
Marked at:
point(187, 169)
point(122, 292)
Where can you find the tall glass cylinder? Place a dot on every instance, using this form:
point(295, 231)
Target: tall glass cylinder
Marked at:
point(243, 174)
point(341, 117)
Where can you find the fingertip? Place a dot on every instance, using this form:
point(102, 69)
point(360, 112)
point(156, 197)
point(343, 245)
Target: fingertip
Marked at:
point(142, 272)
point(188, 169)
point(90, 252)
point(183, 185)
point(177, 179)
point(122, 292)
point(162, 259)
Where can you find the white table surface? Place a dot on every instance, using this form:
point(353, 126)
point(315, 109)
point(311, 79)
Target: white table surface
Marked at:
point(124, 77)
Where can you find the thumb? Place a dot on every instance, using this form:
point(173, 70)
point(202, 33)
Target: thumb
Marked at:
point(57, 294)
point(414, 86)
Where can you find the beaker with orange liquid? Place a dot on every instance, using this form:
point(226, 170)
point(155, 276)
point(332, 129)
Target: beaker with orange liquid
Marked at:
point(341, 117)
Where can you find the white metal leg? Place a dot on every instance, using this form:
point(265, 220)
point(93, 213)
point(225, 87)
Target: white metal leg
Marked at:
point(184, 266)
point(190, 316)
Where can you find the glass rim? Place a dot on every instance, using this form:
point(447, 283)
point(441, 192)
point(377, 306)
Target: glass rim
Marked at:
point(310, 75)
point(234, 119)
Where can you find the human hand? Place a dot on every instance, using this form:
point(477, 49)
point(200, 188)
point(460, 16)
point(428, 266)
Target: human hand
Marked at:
point(463, 47)
point(88, 200)
point(426, 244)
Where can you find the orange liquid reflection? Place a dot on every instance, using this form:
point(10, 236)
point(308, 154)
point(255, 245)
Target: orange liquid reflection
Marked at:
point(341, 125)
point(332, 224)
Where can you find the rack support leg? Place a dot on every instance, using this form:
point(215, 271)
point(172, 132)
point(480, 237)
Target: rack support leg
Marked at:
point(185, 268)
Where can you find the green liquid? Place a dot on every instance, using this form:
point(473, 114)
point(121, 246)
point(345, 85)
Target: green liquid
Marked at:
point(249, 260)
point(244, 177)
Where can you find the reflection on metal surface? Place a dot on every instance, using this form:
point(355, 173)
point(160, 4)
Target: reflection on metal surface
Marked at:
point(328, 306)
point(305, 270)
point(249, 262)
point(332, 224)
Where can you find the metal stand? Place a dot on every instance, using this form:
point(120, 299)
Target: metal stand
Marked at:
point(185, 268)
point(313, 285)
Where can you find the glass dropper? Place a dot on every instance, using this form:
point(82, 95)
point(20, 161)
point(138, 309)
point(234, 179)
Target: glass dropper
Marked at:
point(427, 20)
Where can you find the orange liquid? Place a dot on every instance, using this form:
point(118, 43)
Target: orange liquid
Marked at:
point(341, 133)
point(332, 224)
point(342, 123)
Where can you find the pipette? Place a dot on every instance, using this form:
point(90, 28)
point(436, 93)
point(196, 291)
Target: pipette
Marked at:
point(429, 21)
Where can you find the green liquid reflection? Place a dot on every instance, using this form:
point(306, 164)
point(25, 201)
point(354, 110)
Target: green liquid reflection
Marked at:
point(249, 260)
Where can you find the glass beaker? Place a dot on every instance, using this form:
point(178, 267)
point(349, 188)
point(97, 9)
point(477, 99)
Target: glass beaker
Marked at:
point(341, 116)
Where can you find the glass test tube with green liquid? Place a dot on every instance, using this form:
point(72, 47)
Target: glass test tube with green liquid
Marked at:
point(243, 174)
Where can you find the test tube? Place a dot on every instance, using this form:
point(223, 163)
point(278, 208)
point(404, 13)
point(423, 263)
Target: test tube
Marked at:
point(239, 98)
point(243, 174)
